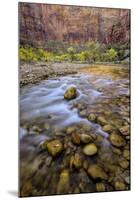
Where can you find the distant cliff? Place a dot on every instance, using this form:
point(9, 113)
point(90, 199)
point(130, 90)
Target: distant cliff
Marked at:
point(73, 24)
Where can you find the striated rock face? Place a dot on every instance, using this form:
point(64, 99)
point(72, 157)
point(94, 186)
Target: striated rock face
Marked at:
point(73, 24)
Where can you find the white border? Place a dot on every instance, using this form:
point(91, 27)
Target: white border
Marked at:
point(9, 98)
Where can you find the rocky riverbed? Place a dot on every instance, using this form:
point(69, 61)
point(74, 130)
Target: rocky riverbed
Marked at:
point(74, 129)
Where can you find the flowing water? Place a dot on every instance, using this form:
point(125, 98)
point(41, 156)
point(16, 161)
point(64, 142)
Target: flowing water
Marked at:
point(44, 105)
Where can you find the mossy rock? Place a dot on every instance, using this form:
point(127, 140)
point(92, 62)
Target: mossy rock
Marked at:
point(71, 93)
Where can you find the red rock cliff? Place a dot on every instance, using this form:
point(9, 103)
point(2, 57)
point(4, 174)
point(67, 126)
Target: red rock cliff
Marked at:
point(40, 22)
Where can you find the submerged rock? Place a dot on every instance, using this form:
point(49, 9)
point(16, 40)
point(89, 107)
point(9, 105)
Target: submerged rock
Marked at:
point(70, 93)
point(54, 147)
point(92, 117)
point(75, 138)
point(86, 138)
point(124, 164)
point(97, 172)
point(100, 187)
point(90, 149)
point(64, 182)
point(76, 161)
point(117, 140)
point(119, 185)
point(101, 120)
point(108, 128)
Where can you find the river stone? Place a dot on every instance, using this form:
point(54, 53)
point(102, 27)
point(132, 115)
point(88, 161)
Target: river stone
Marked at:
point(97, 172)
point(64, 182)
point(86, 138)
point(76, 161)
point(70, 93)
point(124, 130)
point(54, 147)
point(117, 140)
point(126, 154)
point(90, 149)
point(119, 185)
point(83, 113)
point(92, 117)
point(124, 164)
point(71, 129)
point(75, 138)
point(101, 120)
point(100, 187)
point(108, 128)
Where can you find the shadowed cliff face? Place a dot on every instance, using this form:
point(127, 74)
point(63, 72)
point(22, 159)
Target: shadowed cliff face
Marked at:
point(73, 24)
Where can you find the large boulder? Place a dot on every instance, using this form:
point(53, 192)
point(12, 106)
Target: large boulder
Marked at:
point(70, 93)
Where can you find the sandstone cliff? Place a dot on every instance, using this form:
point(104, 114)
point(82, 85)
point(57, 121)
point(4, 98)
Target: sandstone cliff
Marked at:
point(73, 24)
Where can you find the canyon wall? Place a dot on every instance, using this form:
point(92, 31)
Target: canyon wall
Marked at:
point(73, 24)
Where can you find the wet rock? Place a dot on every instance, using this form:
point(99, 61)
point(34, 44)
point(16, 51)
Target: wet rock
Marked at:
point(108, 128)
point(117, 140)
point(90, 149)
point(85, 164)
point(92, 117)
point(97, 172)
point(86, 127)
point(119, 185)
point(64, 182)
point(71, 129)
point(116, 151)
point(100, 187)
point(46, 126)
point(76, 161)
point(125, 130)
point(83, 113)
point(36, 129)
point(55, 147)
point(126, 154)
point(86, 138)
point(101, 120)
point(75, 138)
point(124, 164)
point(70, 93)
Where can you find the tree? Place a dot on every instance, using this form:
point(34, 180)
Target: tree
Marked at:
point(71, 51)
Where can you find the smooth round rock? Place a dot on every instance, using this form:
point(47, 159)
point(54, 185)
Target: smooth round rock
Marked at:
point(86, 138)
point(117, 140)
point(90, 149)
point(124, 164)
point(70, 93)
point(97, 172)
point(92, 117)
point(108, 128)
point(54, 147)
point(101, 120)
